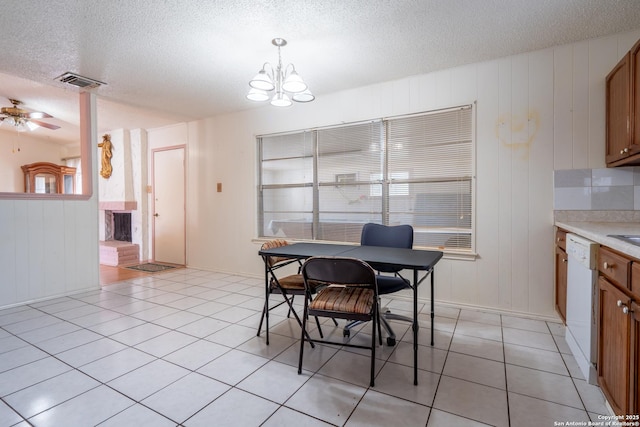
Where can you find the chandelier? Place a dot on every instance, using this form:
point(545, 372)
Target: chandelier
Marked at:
point(286, 82)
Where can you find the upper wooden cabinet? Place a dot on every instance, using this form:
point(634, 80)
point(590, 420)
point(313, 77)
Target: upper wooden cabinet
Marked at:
point(45, 178)
point(623, 111)
point(635, 98)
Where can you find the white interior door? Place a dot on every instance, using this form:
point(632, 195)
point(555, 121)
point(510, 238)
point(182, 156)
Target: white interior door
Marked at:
point(169, 206)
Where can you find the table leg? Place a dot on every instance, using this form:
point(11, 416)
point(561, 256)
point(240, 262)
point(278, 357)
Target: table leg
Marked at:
point(266, 298)
point(415, 327)
point(432, 307)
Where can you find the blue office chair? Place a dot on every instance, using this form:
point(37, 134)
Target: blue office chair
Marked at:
point(399, 236)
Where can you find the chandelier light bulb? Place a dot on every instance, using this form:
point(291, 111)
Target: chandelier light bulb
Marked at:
point(280, 100)
point(21, 126)
point(262, 81)
point(294, 83)
point(257, 95)
point(305, 96)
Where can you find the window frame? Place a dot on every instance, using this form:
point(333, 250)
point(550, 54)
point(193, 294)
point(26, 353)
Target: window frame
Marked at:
point(385, 194)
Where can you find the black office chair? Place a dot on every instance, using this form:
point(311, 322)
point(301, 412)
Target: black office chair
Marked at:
point(399, 236)
point(350, 293)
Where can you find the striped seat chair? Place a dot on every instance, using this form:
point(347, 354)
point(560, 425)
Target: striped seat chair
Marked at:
point(350, 293)
point(288, 286)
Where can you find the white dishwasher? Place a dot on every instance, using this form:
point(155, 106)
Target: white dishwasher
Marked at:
point(582, 304)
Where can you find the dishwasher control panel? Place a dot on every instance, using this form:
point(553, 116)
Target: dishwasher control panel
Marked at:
point(582, 250)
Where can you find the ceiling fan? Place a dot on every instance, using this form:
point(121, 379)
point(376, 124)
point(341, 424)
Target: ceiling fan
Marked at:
point(22, 119)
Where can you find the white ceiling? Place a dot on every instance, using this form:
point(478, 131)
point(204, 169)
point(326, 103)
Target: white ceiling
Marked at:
point(176, 60)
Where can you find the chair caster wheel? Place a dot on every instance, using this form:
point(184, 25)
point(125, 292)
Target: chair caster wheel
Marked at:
point(346, 333)
point(391, 341)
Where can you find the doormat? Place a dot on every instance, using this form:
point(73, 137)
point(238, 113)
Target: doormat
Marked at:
point(150, 267)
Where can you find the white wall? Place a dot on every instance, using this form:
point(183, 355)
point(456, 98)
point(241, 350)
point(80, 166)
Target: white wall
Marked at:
point(49, 246)
point(536, 112)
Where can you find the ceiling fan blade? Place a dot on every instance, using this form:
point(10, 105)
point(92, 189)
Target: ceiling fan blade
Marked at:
point(45, 125)
point(37, 115)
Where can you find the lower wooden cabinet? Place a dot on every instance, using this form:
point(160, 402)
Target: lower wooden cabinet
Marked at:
point(561, 283)
point(561, 274)
point(618, 313)
point(635, 358)
point(614, 347)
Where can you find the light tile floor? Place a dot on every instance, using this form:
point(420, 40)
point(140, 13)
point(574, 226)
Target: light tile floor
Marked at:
point(180, 348)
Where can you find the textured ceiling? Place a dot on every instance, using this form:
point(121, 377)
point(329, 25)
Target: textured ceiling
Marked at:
point(175, 60)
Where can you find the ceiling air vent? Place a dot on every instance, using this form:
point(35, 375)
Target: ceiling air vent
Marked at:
point(79, 81)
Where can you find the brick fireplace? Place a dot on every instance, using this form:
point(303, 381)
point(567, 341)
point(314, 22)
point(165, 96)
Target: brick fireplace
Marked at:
point(117, 247)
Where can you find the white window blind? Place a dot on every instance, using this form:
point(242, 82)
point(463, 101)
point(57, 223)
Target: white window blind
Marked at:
point(344, 205)
point(285, 205)
point(437, 152)
point(324, 184)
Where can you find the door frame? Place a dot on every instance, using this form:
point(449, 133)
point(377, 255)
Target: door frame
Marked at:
point(182, 147)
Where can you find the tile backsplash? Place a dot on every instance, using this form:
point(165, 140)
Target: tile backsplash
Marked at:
point(610, 189)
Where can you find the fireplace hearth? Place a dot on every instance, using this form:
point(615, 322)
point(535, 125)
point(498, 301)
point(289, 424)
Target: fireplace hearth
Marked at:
point(117, 247)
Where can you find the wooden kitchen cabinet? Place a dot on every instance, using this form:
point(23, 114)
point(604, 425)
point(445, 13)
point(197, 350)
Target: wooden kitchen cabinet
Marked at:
point(561, 274)
point(619, 331)
point(618, 108)
point(634, 313)
point(614, 266)
point(635, 281)
point(635, 358)
point(634, 148)
point(614, 347)
point(623, 111)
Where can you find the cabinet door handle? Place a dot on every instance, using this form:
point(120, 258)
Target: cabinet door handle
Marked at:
point(564, 260)
point(608, 266)
point(625, 307)
point(626, 150)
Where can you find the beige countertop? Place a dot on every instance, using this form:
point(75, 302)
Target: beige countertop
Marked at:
point(599, 231)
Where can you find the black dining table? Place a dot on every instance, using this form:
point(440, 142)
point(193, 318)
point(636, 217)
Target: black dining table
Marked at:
point(421, 262)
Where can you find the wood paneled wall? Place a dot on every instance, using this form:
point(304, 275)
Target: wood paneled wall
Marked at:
point(536, 112)
point(49, 247)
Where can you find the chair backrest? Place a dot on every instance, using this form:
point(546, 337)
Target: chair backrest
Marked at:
point(276, 243)
point(396, 236)
point(340, 271)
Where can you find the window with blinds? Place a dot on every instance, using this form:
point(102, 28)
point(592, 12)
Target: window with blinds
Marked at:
point(324, 184)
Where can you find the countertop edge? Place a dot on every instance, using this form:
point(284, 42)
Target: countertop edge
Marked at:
point(599, 231)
